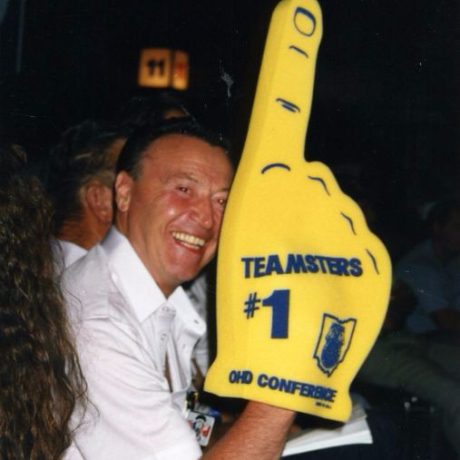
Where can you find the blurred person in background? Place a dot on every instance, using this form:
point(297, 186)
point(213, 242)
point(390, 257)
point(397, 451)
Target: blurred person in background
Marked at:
point(432, 271)
point(79, 178)
point(415, 364)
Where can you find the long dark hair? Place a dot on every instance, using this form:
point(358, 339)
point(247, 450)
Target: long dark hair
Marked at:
point(40, 378)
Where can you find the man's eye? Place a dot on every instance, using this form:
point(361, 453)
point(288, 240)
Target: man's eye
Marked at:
point(222, 202)
point(183, 189)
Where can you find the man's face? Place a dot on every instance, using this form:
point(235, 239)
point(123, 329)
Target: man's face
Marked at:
point(173, 211)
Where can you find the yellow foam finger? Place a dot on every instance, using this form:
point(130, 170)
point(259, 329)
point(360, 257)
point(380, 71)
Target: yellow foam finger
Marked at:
point(303, 285)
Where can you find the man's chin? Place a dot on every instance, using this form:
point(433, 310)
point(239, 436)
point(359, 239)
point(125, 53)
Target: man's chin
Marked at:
point(185, 276)
point(187, 268)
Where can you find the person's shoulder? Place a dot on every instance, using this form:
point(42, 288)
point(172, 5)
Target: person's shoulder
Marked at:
point(87, 270)
point(85, 284)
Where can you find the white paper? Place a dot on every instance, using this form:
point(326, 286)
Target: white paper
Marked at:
point(355, 431)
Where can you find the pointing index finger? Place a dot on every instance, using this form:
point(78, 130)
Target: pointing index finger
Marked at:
point(284, 94)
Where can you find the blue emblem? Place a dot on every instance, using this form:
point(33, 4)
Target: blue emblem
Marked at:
point(333, 342)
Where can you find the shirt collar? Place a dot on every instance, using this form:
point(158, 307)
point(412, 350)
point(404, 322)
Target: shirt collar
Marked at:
point(142, 292)
point(70, 252)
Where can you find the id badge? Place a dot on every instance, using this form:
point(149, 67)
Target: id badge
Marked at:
point(202, 425)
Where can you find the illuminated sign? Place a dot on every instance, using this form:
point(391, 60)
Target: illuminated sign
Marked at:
point(163, 68)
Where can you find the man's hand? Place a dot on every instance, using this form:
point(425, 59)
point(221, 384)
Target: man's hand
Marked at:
point(303, 285)
point(260, 432)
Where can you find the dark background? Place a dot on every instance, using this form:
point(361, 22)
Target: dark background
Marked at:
point(384, 115)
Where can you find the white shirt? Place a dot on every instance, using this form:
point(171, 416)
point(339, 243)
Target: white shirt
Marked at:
point(66, 253)
point(124, 327)
point(197, 291)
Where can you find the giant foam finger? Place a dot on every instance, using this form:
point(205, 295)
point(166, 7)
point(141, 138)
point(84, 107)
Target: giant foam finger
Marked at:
point(303, 285)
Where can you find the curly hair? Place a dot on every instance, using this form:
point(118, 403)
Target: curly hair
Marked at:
point(40, 378)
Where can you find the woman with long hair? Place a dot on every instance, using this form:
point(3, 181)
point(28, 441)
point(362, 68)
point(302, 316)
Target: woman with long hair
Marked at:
point(40, 378)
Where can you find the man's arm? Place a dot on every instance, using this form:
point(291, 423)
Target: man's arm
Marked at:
point(260, 432)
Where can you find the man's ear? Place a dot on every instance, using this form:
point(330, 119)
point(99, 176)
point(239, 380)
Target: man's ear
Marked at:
point(123, 190)
point(99, 200)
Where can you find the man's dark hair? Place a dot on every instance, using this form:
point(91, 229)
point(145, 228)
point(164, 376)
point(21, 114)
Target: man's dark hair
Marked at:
point(81, 155)
point(139, 141)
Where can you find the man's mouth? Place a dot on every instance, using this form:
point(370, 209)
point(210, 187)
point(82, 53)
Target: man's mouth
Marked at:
point(188, 240)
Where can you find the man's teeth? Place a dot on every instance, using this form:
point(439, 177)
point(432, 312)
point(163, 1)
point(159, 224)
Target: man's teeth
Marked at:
point(189, 239)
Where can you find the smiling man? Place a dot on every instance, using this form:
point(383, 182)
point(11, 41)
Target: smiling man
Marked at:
point(135, 326)
point(172, 211)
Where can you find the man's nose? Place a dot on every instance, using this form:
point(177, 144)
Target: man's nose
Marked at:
point(203, 212)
